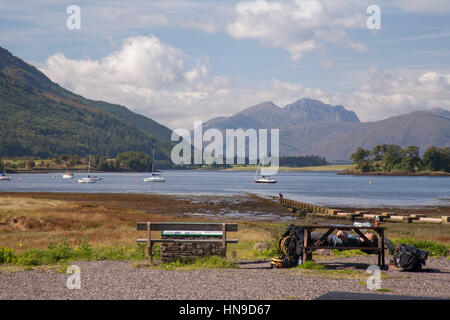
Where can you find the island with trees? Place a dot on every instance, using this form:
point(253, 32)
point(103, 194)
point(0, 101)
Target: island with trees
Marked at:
point(391, 159)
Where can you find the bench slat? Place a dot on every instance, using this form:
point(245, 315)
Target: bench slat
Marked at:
point(345, 248)
point(187, 240)
point(195, 226)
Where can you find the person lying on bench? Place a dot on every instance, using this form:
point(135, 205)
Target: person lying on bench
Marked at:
point(343, 239)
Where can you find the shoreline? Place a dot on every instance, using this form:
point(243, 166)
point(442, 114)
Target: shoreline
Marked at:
point(209, 199)
point(396, 174)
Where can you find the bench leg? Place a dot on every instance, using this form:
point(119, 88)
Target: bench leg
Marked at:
point(150, 253)
point(306, 244)
point(149, 242)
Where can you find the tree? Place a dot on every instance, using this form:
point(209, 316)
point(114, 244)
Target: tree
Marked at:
point(392, 157)
point(411, 159)
point(359, 157)
point(436, 159)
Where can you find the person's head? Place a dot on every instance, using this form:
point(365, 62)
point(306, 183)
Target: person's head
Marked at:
point(373, 239)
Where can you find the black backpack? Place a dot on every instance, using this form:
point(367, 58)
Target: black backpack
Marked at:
point(291, 247)
point(410, 258)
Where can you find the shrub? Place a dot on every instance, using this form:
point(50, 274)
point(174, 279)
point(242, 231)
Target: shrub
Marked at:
point(6, 255)
point(272, 251)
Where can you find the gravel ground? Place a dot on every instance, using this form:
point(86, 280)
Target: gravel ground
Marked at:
point(121, 280)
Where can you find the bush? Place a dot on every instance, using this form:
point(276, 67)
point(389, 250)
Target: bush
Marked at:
point(62, 252)
point(7, 255)
point(311, 265)
point(272, 251)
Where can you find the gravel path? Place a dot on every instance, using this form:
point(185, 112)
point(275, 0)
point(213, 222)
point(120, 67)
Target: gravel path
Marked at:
point(121, 280)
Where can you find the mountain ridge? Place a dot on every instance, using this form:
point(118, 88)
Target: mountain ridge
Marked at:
point(335, 132)
point(40, 118)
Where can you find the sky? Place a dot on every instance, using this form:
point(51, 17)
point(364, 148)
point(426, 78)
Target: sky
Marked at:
point(180, 61)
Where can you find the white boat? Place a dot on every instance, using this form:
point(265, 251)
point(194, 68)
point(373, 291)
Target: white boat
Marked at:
point(67, 175)
point(87, 179)
point(155, 177)
point(263, 179)
point(3, 175)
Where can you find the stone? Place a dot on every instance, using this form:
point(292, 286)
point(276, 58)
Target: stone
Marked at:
point(261, 246)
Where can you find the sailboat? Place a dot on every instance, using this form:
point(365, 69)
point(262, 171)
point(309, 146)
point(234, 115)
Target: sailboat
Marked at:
point(87, 179)
point(155, 177)
point(3, 175)
point(67, 174)
point(263, 179)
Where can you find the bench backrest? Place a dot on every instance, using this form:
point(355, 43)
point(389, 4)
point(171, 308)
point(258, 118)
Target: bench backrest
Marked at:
point(191, 226)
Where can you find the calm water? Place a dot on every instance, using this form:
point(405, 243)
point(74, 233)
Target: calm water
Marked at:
point(321, 188)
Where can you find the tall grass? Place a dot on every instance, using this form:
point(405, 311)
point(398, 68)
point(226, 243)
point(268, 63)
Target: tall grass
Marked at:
point(61, 251)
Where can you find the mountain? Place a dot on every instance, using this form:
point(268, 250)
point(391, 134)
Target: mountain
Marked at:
point(40, 118)
point(268, 115)
point(312, 127)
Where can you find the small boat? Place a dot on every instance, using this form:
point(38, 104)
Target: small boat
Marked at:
point(3, 175)
point(263, 179)
point(87, 179)
point(155, 177)
point(68, 175)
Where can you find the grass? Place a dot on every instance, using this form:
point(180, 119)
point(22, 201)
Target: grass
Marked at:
point(384, 290)
point(61, 252)
point(110, 224)
point(435, 249)
point(348, 253)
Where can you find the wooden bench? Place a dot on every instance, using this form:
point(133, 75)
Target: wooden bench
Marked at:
point(186, 226)
point(308, 247)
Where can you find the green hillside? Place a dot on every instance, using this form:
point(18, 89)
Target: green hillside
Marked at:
point(39, 118)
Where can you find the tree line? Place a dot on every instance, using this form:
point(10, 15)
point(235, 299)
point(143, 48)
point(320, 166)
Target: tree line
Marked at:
point(391, 158)
point(126, 161)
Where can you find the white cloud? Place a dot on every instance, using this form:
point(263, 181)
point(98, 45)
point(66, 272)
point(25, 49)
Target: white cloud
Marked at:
point(157, 80)
point(298, 27)
point(389, 93)
point(160, 81)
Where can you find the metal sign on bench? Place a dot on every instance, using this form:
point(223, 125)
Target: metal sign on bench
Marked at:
point(214, 229)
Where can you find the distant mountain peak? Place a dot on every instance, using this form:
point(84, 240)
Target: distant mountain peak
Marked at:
point(311, 110)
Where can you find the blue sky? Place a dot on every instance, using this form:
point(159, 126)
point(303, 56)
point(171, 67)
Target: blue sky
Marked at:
point(180, 61)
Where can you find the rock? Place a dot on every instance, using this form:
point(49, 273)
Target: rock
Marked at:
point(323, 252)
point(261, 246)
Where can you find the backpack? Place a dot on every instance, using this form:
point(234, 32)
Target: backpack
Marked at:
point(291, 247)
point(410, 258)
